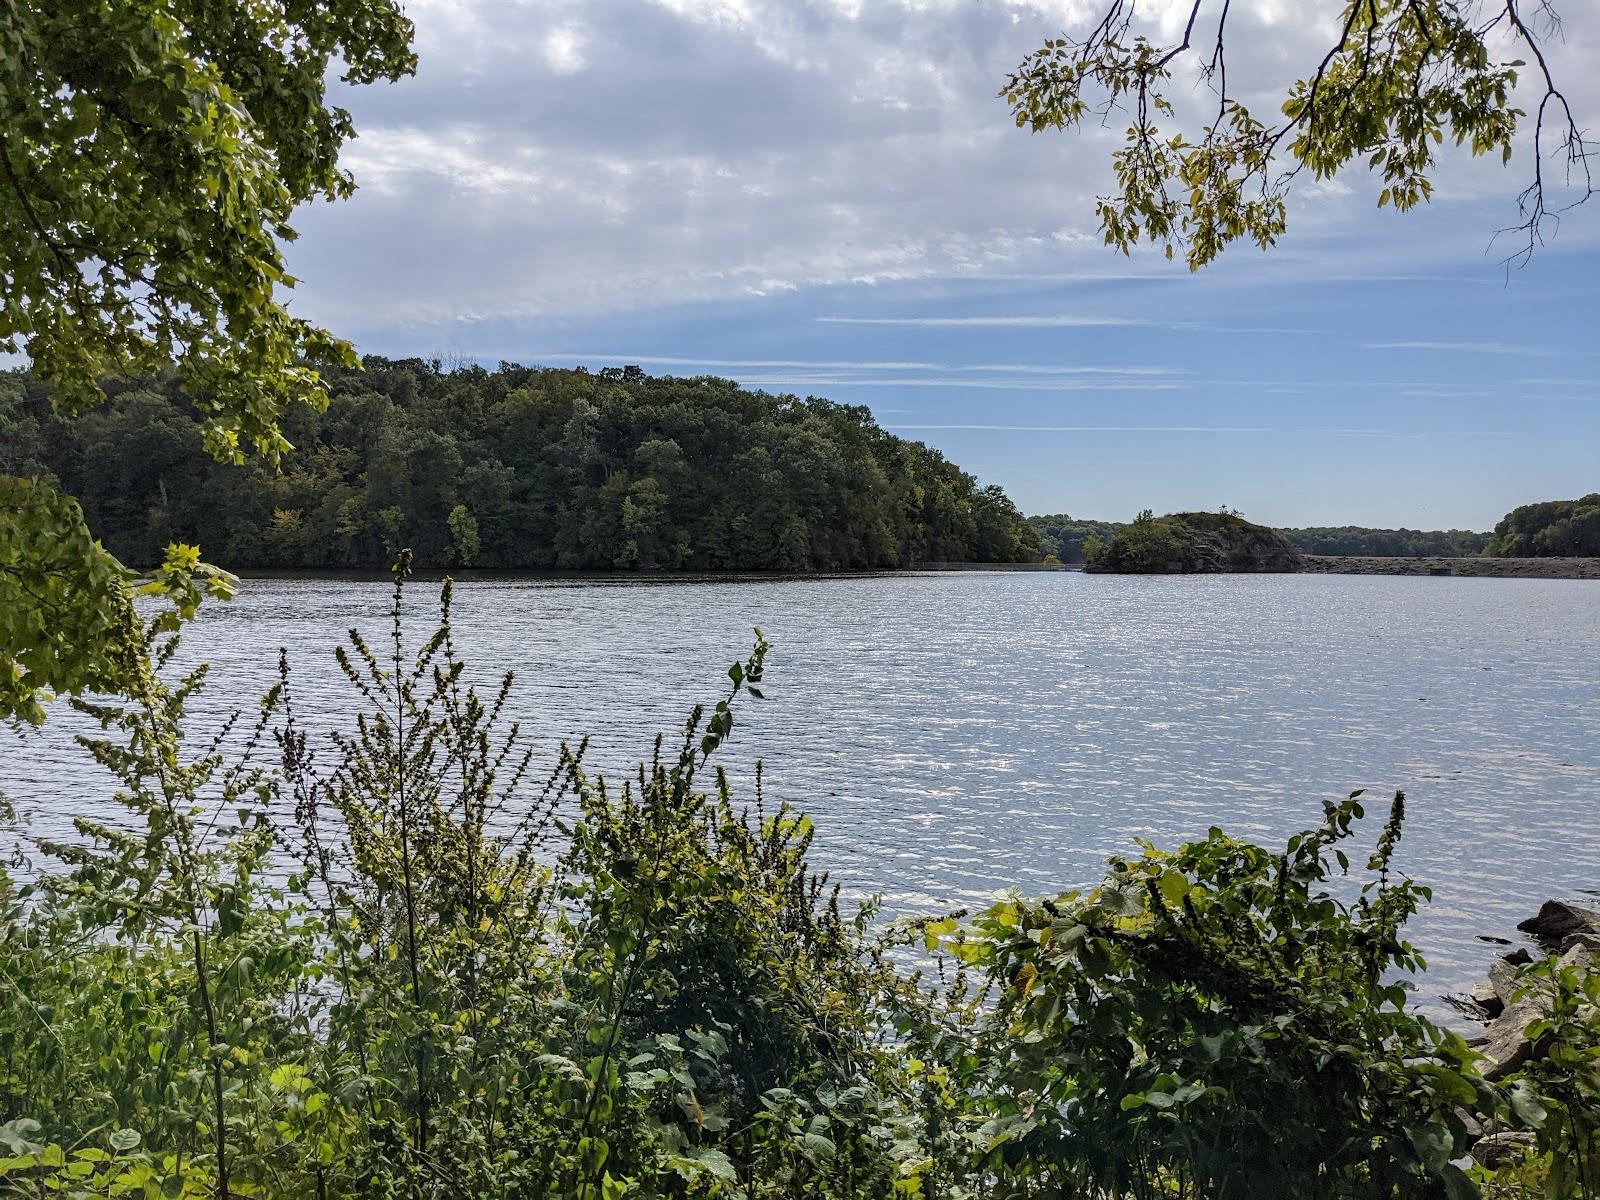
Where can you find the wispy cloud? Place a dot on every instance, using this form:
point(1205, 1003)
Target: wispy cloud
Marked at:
point(999, 322)
point(1095, 428)
point(1108, 384)
point(1465, 348)
point(844, 364)
point(1382, 434)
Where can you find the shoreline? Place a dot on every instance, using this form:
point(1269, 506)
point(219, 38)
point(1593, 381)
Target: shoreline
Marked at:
point(1483, 568)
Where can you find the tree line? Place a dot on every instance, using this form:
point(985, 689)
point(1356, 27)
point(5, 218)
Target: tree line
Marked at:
point(1064, 537)
point(1551, 529)
point(516, 468)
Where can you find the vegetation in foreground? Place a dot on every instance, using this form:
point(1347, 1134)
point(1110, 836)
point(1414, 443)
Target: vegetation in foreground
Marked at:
point(517, 468)
point(408, 962)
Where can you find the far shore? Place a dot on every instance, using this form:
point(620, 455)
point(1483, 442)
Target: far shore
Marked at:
point(1498, 568)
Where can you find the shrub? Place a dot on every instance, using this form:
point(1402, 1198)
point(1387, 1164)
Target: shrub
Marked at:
point(1214, 1022)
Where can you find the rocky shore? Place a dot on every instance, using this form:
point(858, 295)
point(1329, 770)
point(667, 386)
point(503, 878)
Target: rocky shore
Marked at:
point(1499, 568)
point(1507, 1005)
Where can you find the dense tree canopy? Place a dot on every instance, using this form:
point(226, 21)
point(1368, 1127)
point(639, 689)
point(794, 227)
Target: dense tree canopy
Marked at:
point(1400, 77)
point(151, 155)
point(1064, 536)
point(1553, 529)
point(519, 468)
point(1387, 543)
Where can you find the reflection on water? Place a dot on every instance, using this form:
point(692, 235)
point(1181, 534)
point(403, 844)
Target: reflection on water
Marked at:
point(955, 734)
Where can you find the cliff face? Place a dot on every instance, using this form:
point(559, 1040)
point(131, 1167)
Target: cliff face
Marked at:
point(1197, 543)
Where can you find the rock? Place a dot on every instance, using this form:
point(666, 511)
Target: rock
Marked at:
point(1557, 922)
point(1488, 999)
point(1589, 941)
point(1503, 973)
point(1498, 1149)
point(1508, 1048)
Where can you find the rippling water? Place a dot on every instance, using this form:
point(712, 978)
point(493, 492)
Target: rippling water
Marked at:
point(955, 734)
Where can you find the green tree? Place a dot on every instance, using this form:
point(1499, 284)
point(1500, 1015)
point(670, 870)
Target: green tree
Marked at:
point(556, 469)
point(151, 155)
point(1552, 529)
point(1400, 78)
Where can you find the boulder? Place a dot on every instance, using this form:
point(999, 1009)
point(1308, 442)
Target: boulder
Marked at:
point(1503, 973)
point(1499, 1149)
point(1589, 941)
point(1557, 922)
point(1507, 1048)
point(1488, 999)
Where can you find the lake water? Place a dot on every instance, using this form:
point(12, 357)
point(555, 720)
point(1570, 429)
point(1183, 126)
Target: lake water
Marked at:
point(956, 734)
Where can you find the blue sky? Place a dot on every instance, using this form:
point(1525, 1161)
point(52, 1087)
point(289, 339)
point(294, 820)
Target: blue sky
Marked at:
point(825, 197)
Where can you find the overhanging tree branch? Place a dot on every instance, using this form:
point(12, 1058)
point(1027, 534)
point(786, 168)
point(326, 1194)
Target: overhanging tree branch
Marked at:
point(1399, 77)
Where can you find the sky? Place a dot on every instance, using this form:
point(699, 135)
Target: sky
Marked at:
point(826, 197)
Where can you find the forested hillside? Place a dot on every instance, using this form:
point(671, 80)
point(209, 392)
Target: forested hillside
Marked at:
point(518, 468)
point(1552, 529)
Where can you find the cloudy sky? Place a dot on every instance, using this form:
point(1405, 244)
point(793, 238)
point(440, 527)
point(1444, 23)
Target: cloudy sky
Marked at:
point(826, 197)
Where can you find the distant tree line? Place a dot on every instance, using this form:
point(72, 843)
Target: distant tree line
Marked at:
point(517, 467)
point(1064, 536)
point(1388, 543)
point(1552, 529)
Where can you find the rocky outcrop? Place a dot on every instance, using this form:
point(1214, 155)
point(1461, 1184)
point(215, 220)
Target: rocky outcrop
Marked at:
point(1563, 925)
point(1196, 543)
point(1504, 1043)
point(1509, 1003)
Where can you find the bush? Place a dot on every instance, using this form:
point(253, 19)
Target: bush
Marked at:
point(1214, 1022)
point(478, 981)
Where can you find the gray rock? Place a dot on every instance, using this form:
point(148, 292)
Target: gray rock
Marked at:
point(1503, 973)
point(1508, 1048)
point(1498, 1149)
point(1589, 941)
point(1557, 922)
point(1488, 999)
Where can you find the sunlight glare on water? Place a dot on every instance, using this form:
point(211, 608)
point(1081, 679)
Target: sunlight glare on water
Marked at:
point(956, 734)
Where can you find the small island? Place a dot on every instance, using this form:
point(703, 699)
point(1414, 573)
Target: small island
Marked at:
point(1557, 539)
point(1192, 543)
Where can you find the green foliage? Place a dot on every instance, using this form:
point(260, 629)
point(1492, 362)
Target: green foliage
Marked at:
point(477, 980)
point(1558, 1092)
point(1215, 1022)
point(1400, 78)
point(523, 468)
point(67, 618)
point(152, 152)
point(1387, 543)
point(1553, 529)
point(151, 155)
point(1195, 542)
point(1066, 538)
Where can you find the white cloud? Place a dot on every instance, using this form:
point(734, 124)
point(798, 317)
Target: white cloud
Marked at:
point(563, 50)
point(555, 158)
